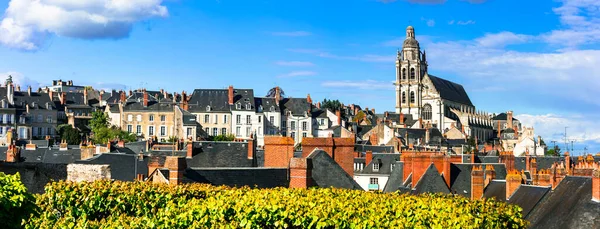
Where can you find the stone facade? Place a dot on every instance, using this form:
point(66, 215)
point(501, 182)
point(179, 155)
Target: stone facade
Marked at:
point(89, 173)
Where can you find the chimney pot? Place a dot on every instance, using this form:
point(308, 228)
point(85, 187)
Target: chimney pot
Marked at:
point(230, 94)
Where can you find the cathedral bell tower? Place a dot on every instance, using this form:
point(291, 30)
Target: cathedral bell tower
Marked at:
point(411, 67)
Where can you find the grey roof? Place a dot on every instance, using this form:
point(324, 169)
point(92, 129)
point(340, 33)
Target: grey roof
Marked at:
point(431, 182)
point(395, 181)
point(328, 173)
point(268, 104)
point(189, 119)
point(122, 166)
point(319, 113)
point(114, 108)
point(450, 91)
point(460, 176)
point(217, 99)
point(527, 197)
point(220, 154)
point(487, 159)
point(35, 100)
point(570, 205)
point(385, 161)
point(496, 189)
point(503, 117)
point(153, 105)
point(374, 149)
point(243, 97)
point(363, 129)
point(298, 106)
point(238, 177)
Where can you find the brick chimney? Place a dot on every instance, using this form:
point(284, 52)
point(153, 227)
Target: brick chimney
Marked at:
point(145, 98)
point(513, 181)
point(543, 178)
point(527, 161)
point(176, 166)
point(596, 183)
point(153, 164)
point(338, 113)
point(308, 99)
point(301, 173)
point(509, 119)
point(567, 162)
point(251, 147)
point(558, 173)
point(63, 99)
point(230, 94)
point(87, 152)
point(12, 153)
point(85, 96)
point(401, 119)
point(533, 166)
point(490, 174)
point(499, 130)
point(373, 110)
point(123, 97)
point(184, 101)
point(121, 144)
point(277, 95)
point(318, 105)
point(368, 157)
point(189, 150)
point(477, 183)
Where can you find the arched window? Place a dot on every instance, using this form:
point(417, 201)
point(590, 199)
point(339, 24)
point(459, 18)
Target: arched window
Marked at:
point(427, 112)
point(412, 97)
point(403, 73)
point(412, 73)
point(403, 97)
point(207, 108)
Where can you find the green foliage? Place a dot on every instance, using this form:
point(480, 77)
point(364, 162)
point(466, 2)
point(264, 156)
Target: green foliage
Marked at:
point(333, 105)
point(106, 204)
point(553, 152)
point(359, 116)
point(104, 134)
point(70, 134)
point(16, 204)
point(223, 138)
point(99, 120)
point(172, 139)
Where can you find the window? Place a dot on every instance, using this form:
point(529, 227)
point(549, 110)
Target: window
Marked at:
point(248, 119)
point(216, 119)
point(259, 119)
point(9, 119)
point(272, 120)
point(151, 118)
point(129, 129)
point(138, 118)
point(224, 131)
point(163, 118)
point(1, 130)
point(40, 118)
point(272, 109)
point(237, 131)
point(34, 132)
point(2, 118)
point(322, 121)
point(293, 125)
point(375, 167)
point(283, 124)
point(129, 118)
point(412, 73)
point(215, 131)
point(138, 130)
point(403, 97)
point(293, 135)
point(238, 106)
point(260, 108)
point(412, 97)
point(207, 130)
point(304, 134)
point(248, 106)
point(238, 119)
point(304, 126)
point(49, 119)
point(163, 131)
point(427, 112)
point(248, 131)
point(151, 130)
point(403, 73)
point(374, 180)
point(224, 118)
point(189, 131)
point(206, 118)
point(207, 108)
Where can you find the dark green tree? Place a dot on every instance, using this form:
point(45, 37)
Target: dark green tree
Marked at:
point(553, 152)
point(224, 138)
point(99, 120)
point(69, 134)
point(273, 91)
point(333, 105)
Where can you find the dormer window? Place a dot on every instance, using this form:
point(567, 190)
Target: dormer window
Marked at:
point(375, 167)
point(248, 106)
point(272, 109)
point(4, 104)
point(207, 108)
point(48, 107)
point(260, 108)
point(238, 106)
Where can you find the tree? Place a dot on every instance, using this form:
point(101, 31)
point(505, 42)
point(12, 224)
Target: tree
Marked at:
point(172, 139)
point(553, 152)
point(333, 105)
point(224, 138)
point(69, 134)
point(99, 120)
point(273, 91)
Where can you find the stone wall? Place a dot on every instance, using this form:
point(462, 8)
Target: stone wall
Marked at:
point(83, 172)
point(36, 175)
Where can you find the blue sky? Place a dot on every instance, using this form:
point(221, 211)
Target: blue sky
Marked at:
point(540, 59)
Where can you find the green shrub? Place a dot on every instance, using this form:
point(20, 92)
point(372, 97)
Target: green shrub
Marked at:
point(16, 204)
point(106, 204)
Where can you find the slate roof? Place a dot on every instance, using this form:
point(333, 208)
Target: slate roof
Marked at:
point(496, 189)
point(503, 117)
point(220, 154)
point(122, 166)
point(361, 130)
point(570, 205)
point(46, 155)
point(374, 149)
point(450, 91)
point(431, 182)
point(243, 97)
point(487, 159)
point(298, 106)
point(395, 180)
point(217, 99)
point(153, 105)
point(541, 162)
point(39, 99)
point(527, 197)
point(460, 176)
point(188, 118)
point(328, 173)
point(238, 177)
point(319, 113)
point(385, 161)
point(268, 104)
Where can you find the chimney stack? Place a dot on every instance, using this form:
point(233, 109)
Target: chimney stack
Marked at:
point(301, 173)
point(318, 105)
point(368, 157)
point(63, 99)
point(29, 90)
point(12, 153)
point(596, 183)
point(308, 99)
point(85, 96)
point(145, 98)
point(176, 166)
point(338, 113)
point(401, 119)
point(230, 94)
point(123, 97)
point(277, 95)
point(18, 87)
point(490, 174)
point(513, 181)
point(184, 101)
point(373, 110)
point(477, 183)
point(509, 119)
point(427, 135)
point(543, 178)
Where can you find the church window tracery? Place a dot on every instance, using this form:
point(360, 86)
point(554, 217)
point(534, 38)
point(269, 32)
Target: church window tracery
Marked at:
point(412, 73)
point(427, 114)
point(403, 73)
point(412, 97)
point(403, 97)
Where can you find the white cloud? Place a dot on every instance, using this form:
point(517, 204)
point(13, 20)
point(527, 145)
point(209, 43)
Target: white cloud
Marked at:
point(469, 22)
point(27, 23)
point(362, 84)
point(581, 128)
point(581, 21)
point(19, 79)
point(297, 73)
point(429, 22)
point(291, 34)
point(501, 39)
point(294, 63)
point(451, 22)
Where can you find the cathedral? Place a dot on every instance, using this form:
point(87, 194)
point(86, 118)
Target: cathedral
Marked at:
point(435, 101)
